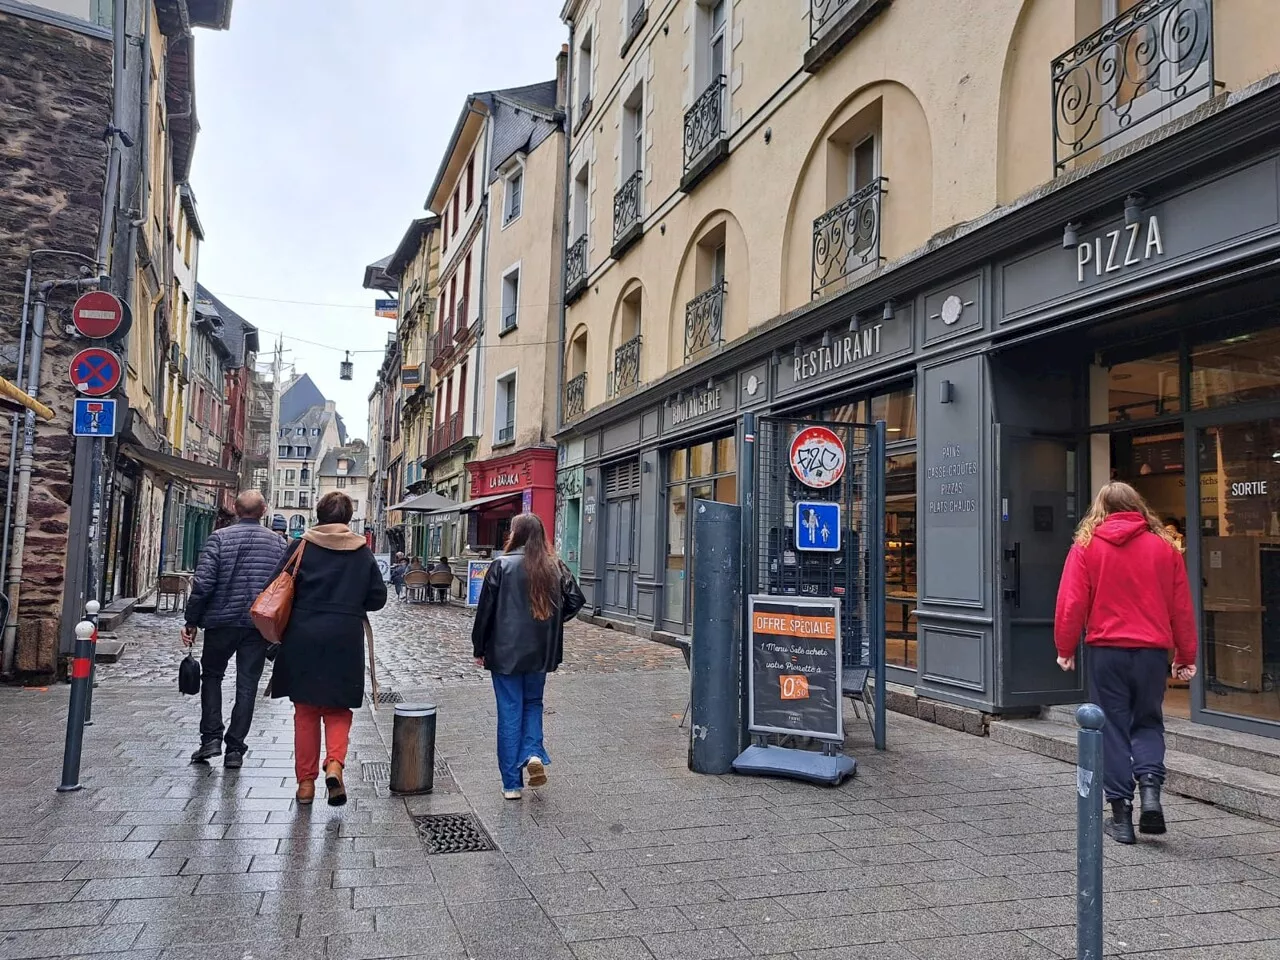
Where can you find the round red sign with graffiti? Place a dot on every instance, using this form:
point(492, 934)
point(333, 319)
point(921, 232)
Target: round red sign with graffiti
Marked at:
point(817, 457)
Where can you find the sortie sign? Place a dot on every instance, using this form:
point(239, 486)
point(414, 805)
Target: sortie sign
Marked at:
point(98, 315)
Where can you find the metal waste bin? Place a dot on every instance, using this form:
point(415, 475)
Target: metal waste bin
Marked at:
point(413, 748)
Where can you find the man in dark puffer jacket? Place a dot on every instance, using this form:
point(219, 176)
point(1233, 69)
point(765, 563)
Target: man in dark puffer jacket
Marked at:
point(235, 566)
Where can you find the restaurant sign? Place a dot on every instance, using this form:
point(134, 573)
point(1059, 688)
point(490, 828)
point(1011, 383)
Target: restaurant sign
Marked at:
point(844, 354)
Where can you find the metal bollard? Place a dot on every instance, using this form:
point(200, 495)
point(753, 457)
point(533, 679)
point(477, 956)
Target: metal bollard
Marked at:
point(413, 748)
point(80, 671)
point(91, 614)
point(715, 669)
point(1090, 718)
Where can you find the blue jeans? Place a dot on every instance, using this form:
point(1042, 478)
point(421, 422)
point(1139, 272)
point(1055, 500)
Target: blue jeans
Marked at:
point(519, 699)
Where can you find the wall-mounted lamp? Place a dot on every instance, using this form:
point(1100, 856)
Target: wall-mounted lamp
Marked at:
point(768, 135)
point(1070, 239)
point(1133, 208)
point(826, 339)
point(944, 391)
point(776, 357)
point(646, 466)
point(854, 321)
point(888, 310)
point(666, 29)
point(711, 383)
point(662, 229)
point(588, 482)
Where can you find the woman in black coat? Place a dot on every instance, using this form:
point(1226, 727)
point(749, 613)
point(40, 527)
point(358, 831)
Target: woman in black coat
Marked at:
point(320, 666)
point(518, 637)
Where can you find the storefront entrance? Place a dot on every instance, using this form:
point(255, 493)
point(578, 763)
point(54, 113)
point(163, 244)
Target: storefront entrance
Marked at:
point(704, 471)
point(622, 501)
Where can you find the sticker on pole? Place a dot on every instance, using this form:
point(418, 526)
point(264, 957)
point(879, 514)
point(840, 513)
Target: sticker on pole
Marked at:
point(95, 372)
point(94, 418)
point(817, 457)
point(98, 315)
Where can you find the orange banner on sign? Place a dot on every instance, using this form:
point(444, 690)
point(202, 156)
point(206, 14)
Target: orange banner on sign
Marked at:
point(794, 687)
point(789, 625)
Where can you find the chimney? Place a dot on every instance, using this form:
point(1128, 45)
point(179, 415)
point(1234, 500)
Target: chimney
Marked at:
point(562, 77)
point(331, 406)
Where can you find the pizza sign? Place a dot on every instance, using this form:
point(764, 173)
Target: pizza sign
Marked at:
point(817, 457)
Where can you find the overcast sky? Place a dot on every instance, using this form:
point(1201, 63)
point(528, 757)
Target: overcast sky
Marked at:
point(320, 136)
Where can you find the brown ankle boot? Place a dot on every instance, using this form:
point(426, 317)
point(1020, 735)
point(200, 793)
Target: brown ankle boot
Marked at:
point(306, 792)
point(333, 781)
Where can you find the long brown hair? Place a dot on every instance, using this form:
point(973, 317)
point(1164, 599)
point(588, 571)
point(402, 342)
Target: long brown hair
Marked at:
point(1117, 497)
point(541, 566)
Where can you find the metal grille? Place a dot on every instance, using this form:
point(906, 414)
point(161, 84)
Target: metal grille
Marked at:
point(375, 771)
point(784, 571)
point(388, 696)
point(452, 833)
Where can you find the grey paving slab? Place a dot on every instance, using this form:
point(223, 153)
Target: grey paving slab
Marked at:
point(698, 945)
point(69, 941)
point(989, 946)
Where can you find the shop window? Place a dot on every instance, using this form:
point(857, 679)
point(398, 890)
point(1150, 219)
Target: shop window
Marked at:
point(897, 408)
point(900, 561)
point(1237, 369)
point(1143, 388)
point(705, 471)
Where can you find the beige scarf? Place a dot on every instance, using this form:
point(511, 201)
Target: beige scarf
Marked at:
point(338, 536)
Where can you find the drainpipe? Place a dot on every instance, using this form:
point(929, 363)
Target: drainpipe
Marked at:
point(564, 257)
point(477, 408)
point(13, 436)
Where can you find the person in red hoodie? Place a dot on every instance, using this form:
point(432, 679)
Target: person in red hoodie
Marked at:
point(1125, 588)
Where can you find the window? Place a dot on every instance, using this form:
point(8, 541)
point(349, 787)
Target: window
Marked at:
point(285, 453)
point(301, 431)
point(514, 195)
point(713, 56)
point(510, 299)
point(633, 133)
point(504, 430)
point(581, 183)
point(288, 498)
point(584, 76)
point(863, 164)
point(291, 477)
point(342, 483)
point(717, 266)
point(456, 215)
point(305, 475)
point(471, 180)
point(355, 506)
point(315, 431)
point(304, 499)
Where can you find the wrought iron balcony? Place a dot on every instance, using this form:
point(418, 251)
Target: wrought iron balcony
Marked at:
point(833, 24)
point(442, 342)
point(506, 433)
point(705, 143)
point(575, 278)
point(847, 237)
point(461, 322)
point(627, 221)
point(639, 17)
point(626, 367)
point(1150, 64)
point(575, 397)
point(584, 112)
point(447, 433)
point(704, 321)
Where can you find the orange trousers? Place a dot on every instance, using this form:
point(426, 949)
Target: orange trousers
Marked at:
point(306, 738)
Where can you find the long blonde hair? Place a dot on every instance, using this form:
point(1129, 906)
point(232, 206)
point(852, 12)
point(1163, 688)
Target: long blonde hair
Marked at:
point(1118, 497)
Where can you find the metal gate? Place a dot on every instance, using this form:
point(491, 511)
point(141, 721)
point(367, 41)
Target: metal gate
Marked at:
point(855, 573)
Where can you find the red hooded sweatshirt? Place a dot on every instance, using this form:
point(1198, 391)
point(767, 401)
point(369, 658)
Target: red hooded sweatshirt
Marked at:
point(1128, 588)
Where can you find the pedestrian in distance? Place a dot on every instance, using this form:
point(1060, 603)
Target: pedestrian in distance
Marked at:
point(320, 666)
point(233, 569)
point(1125, 587)
point(398, 569)
point(518, 636)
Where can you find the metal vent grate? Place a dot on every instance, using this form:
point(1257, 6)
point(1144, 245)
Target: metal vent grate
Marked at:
point(442, 768)
point(375, 771)
point(388, 696)
point(452, 833)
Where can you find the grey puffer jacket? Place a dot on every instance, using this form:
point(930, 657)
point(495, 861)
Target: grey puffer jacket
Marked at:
point(235, 566)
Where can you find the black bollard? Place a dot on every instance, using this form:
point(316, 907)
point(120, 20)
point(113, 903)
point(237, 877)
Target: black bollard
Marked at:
point(80, 670)
point(413, 748)
point(1090, 718)
point(715, 656)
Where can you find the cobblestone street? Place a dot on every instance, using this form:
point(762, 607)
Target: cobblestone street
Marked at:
point(945, 846)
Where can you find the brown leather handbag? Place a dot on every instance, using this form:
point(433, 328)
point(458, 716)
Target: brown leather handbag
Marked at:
point(270, 612)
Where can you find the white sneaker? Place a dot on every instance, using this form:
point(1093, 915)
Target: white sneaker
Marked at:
point(537, 771)
point(511, 794)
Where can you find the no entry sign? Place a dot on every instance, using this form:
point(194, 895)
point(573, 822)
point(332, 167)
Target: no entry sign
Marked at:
point(95, 372)
point(98, 315)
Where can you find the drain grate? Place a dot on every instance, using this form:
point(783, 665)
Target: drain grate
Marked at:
point(388, 696)
point(452, 833)
point(375, 771)
point(442, 768)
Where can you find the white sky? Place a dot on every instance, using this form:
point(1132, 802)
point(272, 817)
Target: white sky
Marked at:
point(320, 137)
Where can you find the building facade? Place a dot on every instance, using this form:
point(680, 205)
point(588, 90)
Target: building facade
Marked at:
point(1042, 263)
point(346, 470)
point(309, 429)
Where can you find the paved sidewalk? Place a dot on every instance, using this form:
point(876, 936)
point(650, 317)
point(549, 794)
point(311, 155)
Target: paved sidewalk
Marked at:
point(946, 846)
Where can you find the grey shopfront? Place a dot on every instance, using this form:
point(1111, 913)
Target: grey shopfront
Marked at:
point(1125, 324)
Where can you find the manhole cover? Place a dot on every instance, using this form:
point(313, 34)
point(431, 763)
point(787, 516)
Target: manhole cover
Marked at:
point(375, 771)
point(388, 696)
point(452, 833)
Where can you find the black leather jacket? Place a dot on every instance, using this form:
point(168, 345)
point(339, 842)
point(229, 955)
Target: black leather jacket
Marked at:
point(505, 633)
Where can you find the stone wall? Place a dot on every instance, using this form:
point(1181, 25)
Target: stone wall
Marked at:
point(55, 103)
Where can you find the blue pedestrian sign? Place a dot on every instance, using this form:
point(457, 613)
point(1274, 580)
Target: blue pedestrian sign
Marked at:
point(818, 527)
point(94, 418)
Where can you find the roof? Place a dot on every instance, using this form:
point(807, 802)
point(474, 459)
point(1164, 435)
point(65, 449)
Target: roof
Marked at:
point(409, 244)
point(180, 101)
point(177, 17)
point(359, 463)
point(375, 275)
point(298, 397)
point(187, 199)
point(237, 333)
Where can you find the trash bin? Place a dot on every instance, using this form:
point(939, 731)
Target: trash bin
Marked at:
point(413, 748)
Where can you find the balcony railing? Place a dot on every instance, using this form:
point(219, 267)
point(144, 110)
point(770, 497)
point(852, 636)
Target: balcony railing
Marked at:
point(847, 237)
point(704, 134)
point(442, 342)
point(1150, 64)
point(445, 435)
point(639, 17)
point(626, 213)
point(823, 14)
point(461, 322)
point(575, 397)
point(576, 268)
point(704, 321)
point(506, 433)
point(626, 367)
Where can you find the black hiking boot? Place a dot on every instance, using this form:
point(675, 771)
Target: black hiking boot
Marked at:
point(208, 750)
point(1151, 819)
point(1120, 826)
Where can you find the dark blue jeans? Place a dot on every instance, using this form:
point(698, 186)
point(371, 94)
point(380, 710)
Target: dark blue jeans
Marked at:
point(519, 698)
point(1129, 685)
point(250, 651)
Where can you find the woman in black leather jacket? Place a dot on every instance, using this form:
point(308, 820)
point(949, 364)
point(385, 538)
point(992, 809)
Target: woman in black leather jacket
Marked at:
point(518, 637)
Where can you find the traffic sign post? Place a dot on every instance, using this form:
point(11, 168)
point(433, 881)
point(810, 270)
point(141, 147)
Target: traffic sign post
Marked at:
point(95, 372)
point(94, 418)
point(99, 315)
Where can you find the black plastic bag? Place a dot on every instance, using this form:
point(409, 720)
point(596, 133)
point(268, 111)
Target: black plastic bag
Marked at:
point(189, 675)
